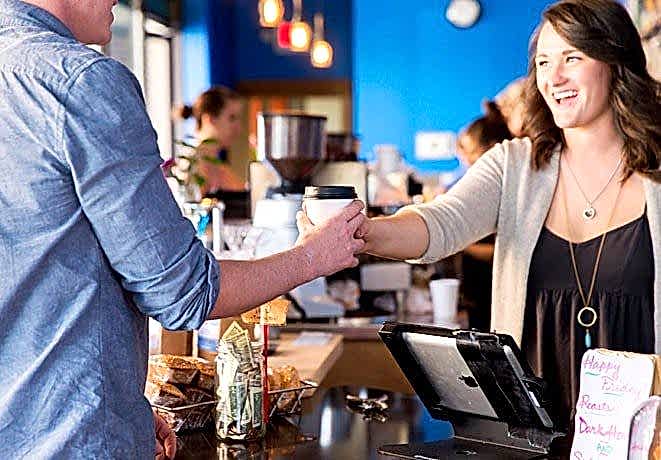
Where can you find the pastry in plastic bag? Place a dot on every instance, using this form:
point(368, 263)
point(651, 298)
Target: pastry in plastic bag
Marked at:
point(171, 369)
point(164, 394)
point(282, 378)
point(206, 373)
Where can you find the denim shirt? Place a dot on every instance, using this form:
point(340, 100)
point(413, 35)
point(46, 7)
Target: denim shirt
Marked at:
point(91, 244)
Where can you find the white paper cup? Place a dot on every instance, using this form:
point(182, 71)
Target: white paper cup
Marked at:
point(445, 298)
point(322, 203)
point(319, 211)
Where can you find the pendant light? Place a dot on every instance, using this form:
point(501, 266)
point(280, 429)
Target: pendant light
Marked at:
point(270, 12)
point(300, 33)
point(321, 54)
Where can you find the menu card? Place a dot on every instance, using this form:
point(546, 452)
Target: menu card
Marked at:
point(612, 386)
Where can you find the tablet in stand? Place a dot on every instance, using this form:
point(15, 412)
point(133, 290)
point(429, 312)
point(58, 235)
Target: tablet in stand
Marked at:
point(478, 382)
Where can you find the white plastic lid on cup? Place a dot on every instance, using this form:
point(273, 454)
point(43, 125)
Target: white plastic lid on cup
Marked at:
point(445, 299)
point(324, 202)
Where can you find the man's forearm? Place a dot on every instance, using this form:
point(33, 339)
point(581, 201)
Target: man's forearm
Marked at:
point(247, 284)
point(401, 236)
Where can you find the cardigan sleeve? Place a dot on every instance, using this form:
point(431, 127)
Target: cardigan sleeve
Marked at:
point(467, 212)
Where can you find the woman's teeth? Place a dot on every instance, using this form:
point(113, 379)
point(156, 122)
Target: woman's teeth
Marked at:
point(561, 96)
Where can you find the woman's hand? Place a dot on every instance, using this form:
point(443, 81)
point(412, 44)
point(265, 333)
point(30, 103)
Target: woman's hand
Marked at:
point(166, 440)
point(364, 233)
point(332, 246)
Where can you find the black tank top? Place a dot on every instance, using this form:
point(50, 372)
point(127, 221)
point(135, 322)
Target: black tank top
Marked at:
point(553, 341)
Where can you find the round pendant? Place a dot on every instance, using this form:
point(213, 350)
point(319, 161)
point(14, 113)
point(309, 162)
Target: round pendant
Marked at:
point(589, 213)
point(592, 319)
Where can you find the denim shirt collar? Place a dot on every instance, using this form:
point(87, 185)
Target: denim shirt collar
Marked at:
point(14, 12)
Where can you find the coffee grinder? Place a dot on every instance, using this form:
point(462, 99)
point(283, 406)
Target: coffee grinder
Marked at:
point(294, 145)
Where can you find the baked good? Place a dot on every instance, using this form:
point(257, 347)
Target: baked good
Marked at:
point(170, 381)
point(282, 378)
point(173, 361)
point(206, 376)
point(164, 394)
point(290, 377)
point(275, 380)
point(171, 369)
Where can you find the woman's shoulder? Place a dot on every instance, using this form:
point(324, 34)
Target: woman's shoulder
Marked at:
point(518, 148)
point(652, 186)
point(515, 152)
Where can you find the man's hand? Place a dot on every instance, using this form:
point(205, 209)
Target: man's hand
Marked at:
point(332, 245)
point(364, 232)
point(166, 440)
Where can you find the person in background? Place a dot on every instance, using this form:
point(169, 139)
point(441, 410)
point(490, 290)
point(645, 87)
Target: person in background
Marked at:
point(92, 243)
point(477, 259)
point(218, 117)
point(511, 103)
point(576, 205)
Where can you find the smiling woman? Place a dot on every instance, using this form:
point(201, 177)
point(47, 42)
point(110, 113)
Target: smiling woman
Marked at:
point(587, 57)
point(576, 206)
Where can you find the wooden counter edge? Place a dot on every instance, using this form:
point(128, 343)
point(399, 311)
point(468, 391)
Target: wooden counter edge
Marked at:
point(313, 362)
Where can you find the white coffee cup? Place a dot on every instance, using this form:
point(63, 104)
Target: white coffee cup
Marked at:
point(322, 203)
point(445, 299)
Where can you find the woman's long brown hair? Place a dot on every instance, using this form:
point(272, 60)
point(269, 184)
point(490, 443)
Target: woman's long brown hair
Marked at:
point(603, 30)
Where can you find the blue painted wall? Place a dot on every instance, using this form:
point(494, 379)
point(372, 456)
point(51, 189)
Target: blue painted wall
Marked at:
point(195, 48)
point(208, 45)
point(222, 43)
point(413, 71)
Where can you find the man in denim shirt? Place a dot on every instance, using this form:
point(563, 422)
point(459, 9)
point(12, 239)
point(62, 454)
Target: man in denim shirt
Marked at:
point(92, 242)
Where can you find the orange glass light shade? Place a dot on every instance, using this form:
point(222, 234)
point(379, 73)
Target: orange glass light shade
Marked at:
point(321, 54)
point(300, 36)
point(271, 12)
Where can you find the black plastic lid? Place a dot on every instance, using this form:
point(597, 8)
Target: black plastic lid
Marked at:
point(330, 192)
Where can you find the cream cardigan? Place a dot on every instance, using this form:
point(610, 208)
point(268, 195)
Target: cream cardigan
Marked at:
point(502, 193)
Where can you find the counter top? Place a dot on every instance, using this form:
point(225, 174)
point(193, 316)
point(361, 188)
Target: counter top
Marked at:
point(366, 328)
point(310, 357)
point(327, 429)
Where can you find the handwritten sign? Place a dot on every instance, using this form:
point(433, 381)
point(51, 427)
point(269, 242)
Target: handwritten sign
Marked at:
point(613, 384)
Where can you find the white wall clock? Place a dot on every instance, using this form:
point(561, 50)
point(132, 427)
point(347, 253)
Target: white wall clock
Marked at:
point(463, 13)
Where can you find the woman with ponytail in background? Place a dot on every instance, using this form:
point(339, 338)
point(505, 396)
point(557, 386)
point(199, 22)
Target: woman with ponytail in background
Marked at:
point(218, 115)
point(477, 259)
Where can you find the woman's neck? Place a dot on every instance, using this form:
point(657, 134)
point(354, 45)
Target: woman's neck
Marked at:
point(205, 134)
point(599, 141)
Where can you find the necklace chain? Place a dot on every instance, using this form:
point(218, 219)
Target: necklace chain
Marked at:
point(584, 298)
point(603, 189)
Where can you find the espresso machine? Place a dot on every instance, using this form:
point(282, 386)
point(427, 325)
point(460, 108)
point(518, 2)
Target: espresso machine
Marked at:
point(291, 147)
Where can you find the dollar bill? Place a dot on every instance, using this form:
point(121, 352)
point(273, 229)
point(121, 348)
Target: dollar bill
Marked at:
point(256, 400)
point(233, 332)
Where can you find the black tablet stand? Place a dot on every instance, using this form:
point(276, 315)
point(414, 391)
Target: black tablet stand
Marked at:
point(520, 429)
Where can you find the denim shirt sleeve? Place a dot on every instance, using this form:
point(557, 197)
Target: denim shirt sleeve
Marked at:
point(111, 148)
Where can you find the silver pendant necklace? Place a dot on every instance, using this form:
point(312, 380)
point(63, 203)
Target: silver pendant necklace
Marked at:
point(590, 212)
